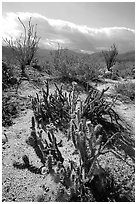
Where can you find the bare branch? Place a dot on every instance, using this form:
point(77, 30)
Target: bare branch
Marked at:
point(25, 47)
point(110, 56)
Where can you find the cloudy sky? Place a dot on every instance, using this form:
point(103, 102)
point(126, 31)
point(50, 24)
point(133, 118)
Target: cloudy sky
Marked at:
point(86, 27)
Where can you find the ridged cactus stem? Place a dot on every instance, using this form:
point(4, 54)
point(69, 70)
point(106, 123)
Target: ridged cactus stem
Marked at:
point(50, 160)
point(33, 123)
point(65, 95)
point(73, 135)
point(81, 107)
point(78, 115)
point(81, 126)
point(98, 130)
point(47, 86)
point(49, 136)
point(33, 132)
point(37, 97)
point(89, 129)
point(40, 134)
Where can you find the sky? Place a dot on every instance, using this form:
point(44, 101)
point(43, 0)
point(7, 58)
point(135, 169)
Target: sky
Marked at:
point(81, 26)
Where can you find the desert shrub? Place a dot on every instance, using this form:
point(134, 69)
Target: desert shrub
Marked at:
point(8, 79)
point(47, 67)
point(24, 48)
point(62, 63)
point(107, 75)
point(67, 66)
point(110, 56)
point(36, 65)
point(115, 76)
point(9, 110)
point(41, 198)
point(12, 104)
point(126, 89)
point(86, 71)
point(124, 70)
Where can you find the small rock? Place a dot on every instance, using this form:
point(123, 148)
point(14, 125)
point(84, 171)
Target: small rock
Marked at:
point(75, 152)
point(3, 200)
point(14, 199)
point(22, 109)
point(4, 138)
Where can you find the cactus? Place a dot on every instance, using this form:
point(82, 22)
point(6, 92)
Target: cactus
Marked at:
point(89, 129)
point(98, 130)
point(43, 170)
point(73, 135)
point(33, 132)
point(49, 136)
point(87, 123)
point(26, 160)
point(33, 123)
point(51, 108)
point(50, 162)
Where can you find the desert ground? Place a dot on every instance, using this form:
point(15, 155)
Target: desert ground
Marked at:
point(22, 183)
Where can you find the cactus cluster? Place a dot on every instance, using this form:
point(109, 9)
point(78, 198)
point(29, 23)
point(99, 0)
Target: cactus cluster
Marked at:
point(98, 110)
point(92, 126)
point(54, 108)
point(46, 149)
point(72, 178)
point(87, 140)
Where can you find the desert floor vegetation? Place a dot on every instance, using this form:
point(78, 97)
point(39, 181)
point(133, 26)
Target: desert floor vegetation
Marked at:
point(67, 141)
point(68, 122)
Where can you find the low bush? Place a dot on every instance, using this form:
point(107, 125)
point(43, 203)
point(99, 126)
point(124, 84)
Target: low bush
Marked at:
point(124, 70)
point(69, 66)
point(9, 110)
point(12, 104)
point(115, 76)
point(8, 78)
point(126, 89)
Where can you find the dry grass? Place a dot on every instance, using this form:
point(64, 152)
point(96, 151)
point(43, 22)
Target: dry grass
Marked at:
point(126, 89)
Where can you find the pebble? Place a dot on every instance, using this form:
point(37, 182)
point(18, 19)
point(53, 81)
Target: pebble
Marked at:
point(4, 138)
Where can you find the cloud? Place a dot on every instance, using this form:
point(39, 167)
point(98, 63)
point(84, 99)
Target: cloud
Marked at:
point(70, 35)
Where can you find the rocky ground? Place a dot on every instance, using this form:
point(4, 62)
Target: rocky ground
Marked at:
point(23, 185)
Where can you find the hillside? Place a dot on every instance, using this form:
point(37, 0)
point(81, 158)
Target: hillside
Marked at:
point(128, 56)
point(45, 54)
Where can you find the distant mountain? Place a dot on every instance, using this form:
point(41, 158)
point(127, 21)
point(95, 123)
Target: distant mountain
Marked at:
point(128, 56)
point(124, 57)
point(45, 54)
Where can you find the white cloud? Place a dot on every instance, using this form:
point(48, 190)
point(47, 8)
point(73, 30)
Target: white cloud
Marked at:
point(70, 35)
